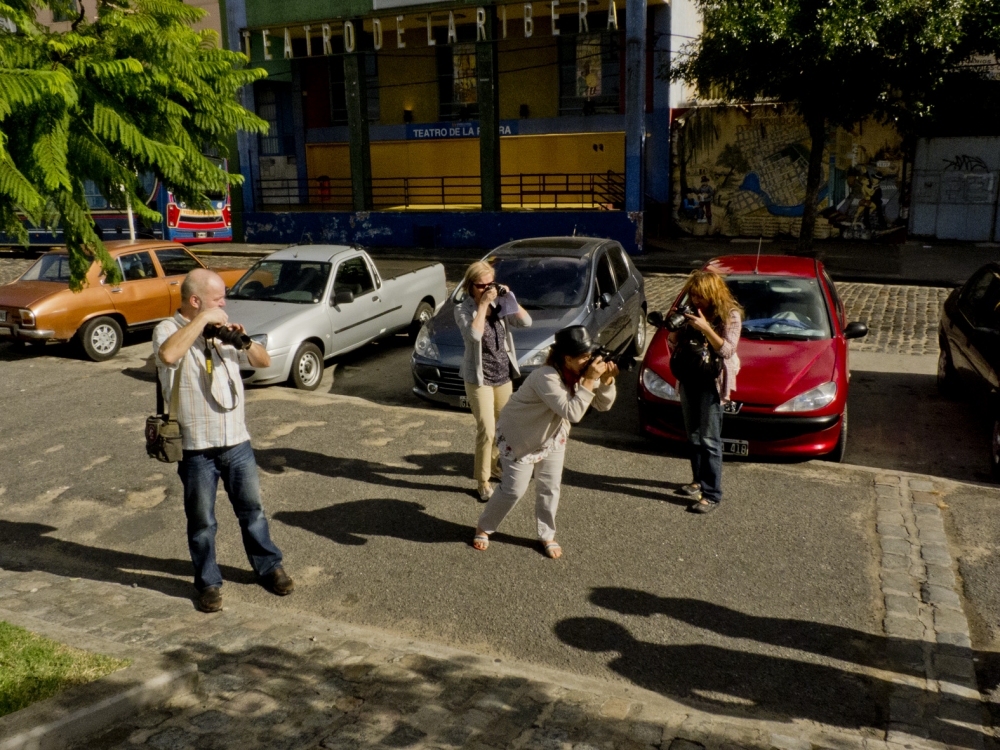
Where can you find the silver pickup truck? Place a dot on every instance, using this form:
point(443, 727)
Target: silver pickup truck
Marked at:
point(307, 304)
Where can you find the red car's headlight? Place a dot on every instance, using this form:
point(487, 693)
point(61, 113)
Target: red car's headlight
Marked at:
point(811, 400)
point(27, 318)
point(658, 386)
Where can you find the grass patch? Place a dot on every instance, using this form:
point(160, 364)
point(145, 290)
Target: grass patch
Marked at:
point(33, 668)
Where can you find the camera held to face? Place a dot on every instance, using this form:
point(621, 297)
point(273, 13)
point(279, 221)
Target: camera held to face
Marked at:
point(227, 336)
point(677, 319)
point(501, 291)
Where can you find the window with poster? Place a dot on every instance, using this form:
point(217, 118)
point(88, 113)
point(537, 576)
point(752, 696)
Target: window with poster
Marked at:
point(590, 71)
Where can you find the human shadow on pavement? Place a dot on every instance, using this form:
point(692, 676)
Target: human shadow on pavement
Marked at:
point(26, 547)
point(278, 460)
point(632, 486)
point(833, 641)
point(349, 523)
point(743, 682)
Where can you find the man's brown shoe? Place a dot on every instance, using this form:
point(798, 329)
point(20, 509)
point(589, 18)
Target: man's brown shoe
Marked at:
point(210, 600)
point(279, 582)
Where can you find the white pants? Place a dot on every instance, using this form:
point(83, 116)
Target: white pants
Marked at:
point(548, 482)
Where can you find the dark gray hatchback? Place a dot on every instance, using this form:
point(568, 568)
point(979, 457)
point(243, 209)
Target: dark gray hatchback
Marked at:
point(560, 281)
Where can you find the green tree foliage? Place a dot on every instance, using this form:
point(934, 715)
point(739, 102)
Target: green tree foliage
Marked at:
point(131, 91)
point(836, 61)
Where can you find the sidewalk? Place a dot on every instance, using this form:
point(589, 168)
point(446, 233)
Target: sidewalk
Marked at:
point(274, 678)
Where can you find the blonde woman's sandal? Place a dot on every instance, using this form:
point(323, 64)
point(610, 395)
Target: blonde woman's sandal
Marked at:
point(552, 549)
point(481, 542)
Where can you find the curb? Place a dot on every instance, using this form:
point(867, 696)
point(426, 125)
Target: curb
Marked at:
point(84, 710)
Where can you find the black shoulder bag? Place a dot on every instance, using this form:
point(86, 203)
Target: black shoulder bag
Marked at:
point(694, 362)
point(163, 431)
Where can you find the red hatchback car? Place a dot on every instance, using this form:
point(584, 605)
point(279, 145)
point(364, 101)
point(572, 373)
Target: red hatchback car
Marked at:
point(791, 391)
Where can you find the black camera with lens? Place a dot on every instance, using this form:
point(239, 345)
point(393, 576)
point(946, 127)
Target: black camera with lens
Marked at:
point(620, 358)
point(501, 291)
point(677, 319)
point(227, 335)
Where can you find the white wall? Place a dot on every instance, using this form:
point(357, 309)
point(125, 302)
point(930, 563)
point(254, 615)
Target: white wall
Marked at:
point(685, 23)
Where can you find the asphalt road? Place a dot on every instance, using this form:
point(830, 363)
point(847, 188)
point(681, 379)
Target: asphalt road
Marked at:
point(770, 605)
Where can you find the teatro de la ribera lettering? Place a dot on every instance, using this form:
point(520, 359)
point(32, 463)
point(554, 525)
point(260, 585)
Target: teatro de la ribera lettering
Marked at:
point(389, 30)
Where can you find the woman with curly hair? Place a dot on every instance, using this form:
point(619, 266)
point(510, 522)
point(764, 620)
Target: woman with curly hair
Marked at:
point(710, 336)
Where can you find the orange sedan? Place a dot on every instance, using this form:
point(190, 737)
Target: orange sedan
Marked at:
point(40, 306)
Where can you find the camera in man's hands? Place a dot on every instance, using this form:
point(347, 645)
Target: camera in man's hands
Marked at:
point(677, 319)
point(501, 290)
point(227, 335)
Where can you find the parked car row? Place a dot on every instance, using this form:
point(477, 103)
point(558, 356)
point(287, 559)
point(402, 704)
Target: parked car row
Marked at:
point(308, 304)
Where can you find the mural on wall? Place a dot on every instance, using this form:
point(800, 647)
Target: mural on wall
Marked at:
point(743, 173)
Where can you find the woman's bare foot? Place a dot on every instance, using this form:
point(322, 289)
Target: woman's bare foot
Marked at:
point(481, 540)
point(552, 549)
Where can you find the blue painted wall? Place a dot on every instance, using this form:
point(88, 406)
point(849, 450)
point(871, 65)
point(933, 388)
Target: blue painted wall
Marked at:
point(451, 229)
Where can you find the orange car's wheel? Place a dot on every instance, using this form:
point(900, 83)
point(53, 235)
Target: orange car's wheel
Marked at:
point(101, 338)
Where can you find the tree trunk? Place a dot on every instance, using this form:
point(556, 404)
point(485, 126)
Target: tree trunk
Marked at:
point(817, 133)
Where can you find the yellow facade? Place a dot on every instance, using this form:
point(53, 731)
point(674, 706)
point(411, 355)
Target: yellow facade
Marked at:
point(529, 74)
point(570, 153)
point(417, 69)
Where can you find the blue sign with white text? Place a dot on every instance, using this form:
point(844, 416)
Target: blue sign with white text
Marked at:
point(435, 130)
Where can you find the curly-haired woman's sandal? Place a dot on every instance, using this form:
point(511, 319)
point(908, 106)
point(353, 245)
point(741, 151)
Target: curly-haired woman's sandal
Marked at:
point(480, 542)
point(552, 550)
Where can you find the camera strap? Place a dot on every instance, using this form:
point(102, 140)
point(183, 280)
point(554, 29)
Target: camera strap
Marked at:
point(209, 367)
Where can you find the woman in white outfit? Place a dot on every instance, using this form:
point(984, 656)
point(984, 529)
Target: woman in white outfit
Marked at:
point(534, 426)
point(489, 364)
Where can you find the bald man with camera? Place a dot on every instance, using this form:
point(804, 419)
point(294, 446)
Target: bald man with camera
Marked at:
point(200, 352)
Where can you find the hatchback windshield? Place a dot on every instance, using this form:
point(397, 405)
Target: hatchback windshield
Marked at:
point(543, 282)
point(49, 268)
point(296, 281)
point(780, 307)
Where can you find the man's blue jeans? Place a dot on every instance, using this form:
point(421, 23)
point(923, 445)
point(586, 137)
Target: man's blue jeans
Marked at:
point(702, 409)
point(200, 472)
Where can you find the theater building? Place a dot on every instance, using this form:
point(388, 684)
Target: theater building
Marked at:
point(405, 123)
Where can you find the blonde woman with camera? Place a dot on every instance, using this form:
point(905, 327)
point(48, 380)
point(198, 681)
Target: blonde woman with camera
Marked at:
point(711, 334)
point(489, 365)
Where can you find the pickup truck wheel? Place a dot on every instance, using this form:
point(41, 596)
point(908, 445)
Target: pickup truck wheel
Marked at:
point(307, 367)
point(101, 338)
point(423, 313)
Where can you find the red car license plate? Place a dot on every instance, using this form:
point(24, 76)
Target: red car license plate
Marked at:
point(735, 448)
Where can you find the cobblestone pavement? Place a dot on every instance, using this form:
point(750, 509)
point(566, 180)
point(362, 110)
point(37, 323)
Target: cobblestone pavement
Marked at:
point(901, 319)
point(937, 699)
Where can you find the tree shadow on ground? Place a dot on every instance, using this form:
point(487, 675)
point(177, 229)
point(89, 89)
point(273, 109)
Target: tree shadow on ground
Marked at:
point(284, 688)
point(26, 546)
point(281, 693)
